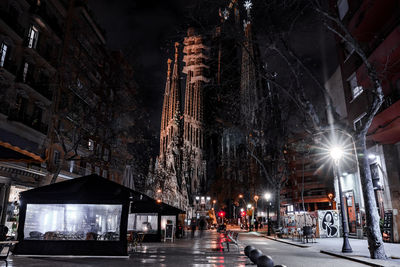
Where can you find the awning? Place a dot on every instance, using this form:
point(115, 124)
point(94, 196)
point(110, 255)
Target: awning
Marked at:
point(16, 148)
point(385, 127)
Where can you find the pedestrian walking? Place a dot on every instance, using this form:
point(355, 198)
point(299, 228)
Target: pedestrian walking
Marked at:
point(202, 225)
point(193, 226)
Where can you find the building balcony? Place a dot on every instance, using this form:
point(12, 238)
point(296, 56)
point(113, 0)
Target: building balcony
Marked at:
point(373, 19)
point(41, 14)
point(385, 127)
point(12, 22)
point(15, 115)
point(11, 67)
point(42, 87)
point(73, 167)
point(4, 108)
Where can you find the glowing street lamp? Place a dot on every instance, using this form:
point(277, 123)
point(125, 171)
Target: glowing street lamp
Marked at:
point(336, 153)
point(267, 197)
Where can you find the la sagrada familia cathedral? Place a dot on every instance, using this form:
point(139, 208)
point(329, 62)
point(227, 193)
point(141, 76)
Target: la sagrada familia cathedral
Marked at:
point(192, 155)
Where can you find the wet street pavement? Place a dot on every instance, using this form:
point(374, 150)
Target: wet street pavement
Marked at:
point(205, 251)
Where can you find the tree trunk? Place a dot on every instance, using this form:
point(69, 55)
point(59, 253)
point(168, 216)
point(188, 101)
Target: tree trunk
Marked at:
point(375, 242)
point(57, 172)
point(278, 205)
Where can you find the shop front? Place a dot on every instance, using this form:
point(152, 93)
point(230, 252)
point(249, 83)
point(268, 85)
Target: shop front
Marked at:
point(149, 217)
point(83, 216)
point(11, 212)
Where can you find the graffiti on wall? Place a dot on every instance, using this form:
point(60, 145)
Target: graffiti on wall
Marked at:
point(328, 223)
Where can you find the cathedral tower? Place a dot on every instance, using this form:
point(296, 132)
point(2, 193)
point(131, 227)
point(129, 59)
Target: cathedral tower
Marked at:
point(249, 83)
point(196, 68)
point(171, 111)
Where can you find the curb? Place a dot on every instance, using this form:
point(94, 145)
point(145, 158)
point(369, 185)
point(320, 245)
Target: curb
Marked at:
point(350, 258)
point(285, 242)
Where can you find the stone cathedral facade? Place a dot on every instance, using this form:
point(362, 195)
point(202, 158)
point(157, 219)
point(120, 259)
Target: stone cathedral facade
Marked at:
point(179, 172)
point(188, 159)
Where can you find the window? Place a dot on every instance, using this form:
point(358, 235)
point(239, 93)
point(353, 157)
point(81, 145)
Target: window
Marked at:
point(143, 222)
point(356, 90)
point(105, 174)
point(33, 37)
point(98, 149)
point(72, 222)
point(97, 170)
point(290, 208)
point(106, 154)
point(90, 144)
point(71, 166)
point(3, 53)
point(37, 115)
point(56, 157)
point(25, 71)
point(357, 123)
point(343, 7)
point(88, 170)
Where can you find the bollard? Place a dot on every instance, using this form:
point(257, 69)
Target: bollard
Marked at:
point(255, 254)
point(247, 250)
point(265, 261)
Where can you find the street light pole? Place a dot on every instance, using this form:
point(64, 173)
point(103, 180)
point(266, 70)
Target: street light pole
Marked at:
point(267, 197)
point(268, 224)
point(336, 154)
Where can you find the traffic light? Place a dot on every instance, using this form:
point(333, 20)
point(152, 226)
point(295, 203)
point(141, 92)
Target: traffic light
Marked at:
point(221, 214)
point(243, 213)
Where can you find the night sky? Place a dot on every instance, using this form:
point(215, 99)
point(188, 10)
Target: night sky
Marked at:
point(145, 32)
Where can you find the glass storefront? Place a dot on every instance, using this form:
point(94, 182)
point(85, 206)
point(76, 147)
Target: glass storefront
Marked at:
point(167, 220)
point(12, 211)
point(143, 222)
point(72, 222)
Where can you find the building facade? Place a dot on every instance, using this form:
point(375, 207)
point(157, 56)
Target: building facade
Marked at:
point(57, 94)
point(381, 41)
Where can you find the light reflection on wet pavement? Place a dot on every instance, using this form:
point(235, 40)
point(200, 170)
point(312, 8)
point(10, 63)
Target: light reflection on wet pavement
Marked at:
point(198, 252)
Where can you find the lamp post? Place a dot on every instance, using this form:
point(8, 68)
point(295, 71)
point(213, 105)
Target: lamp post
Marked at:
point(267, 197)
point(254, 210)
point(249, 206)
point(336, 154)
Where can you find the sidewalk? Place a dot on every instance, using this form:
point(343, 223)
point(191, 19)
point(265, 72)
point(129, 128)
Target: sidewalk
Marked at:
point(333, 246)
point(197, 251)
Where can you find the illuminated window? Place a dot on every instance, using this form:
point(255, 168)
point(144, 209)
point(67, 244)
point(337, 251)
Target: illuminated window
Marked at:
point(290, 208)
point(3, 52)
point(343, 8)
point(33, 37)
point(90, 144)
point(356, 90)
point(25, 71)
point(99, 222)
point(143, 222)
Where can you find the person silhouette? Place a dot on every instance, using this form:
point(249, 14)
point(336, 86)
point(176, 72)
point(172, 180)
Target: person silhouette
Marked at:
point(193, 226)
